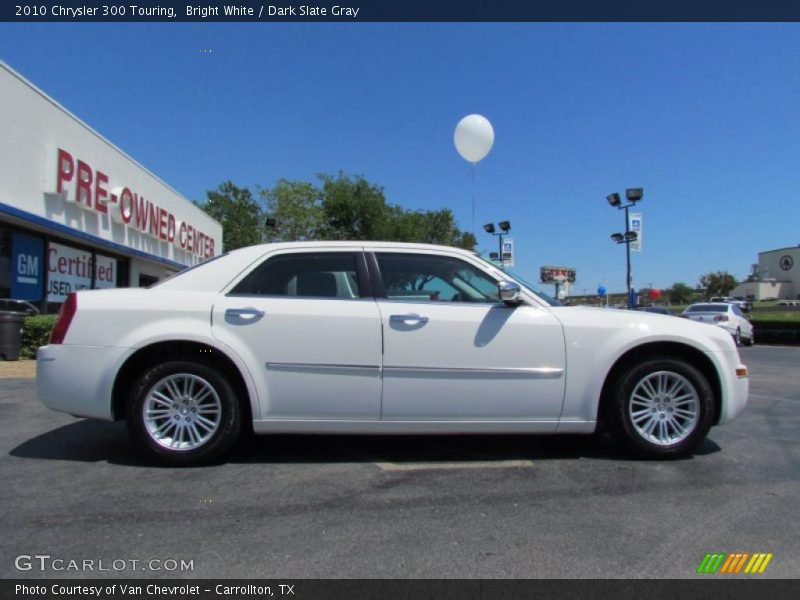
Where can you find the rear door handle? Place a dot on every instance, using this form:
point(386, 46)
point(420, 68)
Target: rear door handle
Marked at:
point(412, 319)
point(255, 313)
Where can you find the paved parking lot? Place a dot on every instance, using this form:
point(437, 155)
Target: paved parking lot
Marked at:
point(488, 506)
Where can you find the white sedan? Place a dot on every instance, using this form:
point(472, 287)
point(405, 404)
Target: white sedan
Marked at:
point(378, 338)
point(723, 314)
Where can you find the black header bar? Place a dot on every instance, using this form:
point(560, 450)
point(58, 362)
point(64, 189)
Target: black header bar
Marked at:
point(402, 11)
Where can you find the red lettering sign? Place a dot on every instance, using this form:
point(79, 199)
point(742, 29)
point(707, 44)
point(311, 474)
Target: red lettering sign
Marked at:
point(65, 169)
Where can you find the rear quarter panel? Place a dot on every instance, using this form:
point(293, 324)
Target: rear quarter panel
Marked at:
point(131, 319)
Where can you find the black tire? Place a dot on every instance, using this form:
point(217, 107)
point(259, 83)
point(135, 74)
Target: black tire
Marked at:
point(737, 338)
point(228, 425)
point(619, 403)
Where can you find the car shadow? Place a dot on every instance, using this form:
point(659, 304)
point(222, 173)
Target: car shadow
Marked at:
point(89, 440)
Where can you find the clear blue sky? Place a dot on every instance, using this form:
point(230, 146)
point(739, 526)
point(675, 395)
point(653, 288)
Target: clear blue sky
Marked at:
point(705, 117)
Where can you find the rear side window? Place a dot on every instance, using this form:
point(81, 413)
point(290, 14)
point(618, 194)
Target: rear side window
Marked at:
point(307, 275)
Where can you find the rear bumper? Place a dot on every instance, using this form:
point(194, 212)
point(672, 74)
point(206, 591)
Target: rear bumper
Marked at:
point(78, 379)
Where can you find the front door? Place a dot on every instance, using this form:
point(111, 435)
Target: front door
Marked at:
point(454, 352)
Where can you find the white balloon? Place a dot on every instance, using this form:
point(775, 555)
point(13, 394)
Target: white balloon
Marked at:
point(474, 137)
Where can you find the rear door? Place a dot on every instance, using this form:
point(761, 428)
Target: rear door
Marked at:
point(307, 326)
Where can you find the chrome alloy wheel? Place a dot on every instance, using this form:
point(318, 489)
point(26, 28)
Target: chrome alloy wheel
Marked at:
point(664, 408)
point(182, 411)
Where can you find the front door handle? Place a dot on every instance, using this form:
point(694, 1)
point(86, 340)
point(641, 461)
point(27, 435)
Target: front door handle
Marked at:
point(412, 319)
point(254, 313)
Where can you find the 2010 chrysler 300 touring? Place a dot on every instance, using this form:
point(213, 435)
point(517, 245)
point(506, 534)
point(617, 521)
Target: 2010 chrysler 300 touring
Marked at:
point(361, 337)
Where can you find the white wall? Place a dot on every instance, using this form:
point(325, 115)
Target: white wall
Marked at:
point(769, 266)
point(33, 127)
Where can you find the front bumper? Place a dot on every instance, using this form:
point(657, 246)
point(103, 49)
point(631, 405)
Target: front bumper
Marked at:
point(78, 380)
point(735, 389)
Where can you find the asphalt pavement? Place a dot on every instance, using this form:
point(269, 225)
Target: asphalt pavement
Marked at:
point(423, 507)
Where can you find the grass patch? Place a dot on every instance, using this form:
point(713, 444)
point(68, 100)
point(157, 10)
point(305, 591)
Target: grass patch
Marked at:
point(781, 316)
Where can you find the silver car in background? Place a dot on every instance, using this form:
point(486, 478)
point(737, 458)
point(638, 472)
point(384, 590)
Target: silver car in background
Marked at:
point(728, 316)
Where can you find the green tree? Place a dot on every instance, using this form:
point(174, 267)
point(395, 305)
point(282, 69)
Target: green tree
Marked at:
point(341, 207)
point(717, 283)
point(426, 227)
point(354, 208)
point(240, 215)
point(297, 209)
point(680, 293)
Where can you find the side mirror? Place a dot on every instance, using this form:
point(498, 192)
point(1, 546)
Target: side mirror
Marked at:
point(510, 293)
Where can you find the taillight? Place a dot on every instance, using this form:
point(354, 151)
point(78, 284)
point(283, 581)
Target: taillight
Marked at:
point(721, 318)
point(65, 314)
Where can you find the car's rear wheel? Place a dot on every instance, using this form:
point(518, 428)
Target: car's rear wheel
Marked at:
point(737, 337)
point(661, 408)
point(183, 413)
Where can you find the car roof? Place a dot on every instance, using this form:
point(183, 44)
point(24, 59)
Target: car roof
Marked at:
point(212, 274)
point(350, 243)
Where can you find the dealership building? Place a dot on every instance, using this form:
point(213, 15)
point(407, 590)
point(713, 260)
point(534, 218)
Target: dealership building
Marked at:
point(778, 276)
point(76, 212)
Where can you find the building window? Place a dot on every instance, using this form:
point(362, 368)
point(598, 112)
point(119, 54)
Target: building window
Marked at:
point(71, 269)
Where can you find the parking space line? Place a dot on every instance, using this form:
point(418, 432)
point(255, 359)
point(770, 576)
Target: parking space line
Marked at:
point(437, 466)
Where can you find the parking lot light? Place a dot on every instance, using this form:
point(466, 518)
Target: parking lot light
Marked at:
point(632, 195)
point(505, 227)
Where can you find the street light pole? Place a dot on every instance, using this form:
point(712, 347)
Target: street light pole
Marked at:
point(500, 247)
point(632, 195)
point(628, 257)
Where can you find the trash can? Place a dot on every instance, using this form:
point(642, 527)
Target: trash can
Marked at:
point(10, 334)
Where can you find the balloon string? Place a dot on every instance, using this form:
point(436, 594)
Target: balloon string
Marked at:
point(473, 198)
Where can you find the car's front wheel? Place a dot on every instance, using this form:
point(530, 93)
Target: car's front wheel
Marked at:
point(661, 408)
point(183, 413)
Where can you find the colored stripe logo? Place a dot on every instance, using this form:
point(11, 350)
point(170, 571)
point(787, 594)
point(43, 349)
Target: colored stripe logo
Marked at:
point(734, 563)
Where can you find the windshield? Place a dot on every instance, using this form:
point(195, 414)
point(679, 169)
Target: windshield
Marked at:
point(720, 308)
point(535, 289)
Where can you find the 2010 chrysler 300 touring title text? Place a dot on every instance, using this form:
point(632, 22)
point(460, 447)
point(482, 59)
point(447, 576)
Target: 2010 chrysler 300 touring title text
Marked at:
point(362, 337)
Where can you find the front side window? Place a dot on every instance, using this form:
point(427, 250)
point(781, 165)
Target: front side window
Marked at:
point(430, 278)
point(309, 275)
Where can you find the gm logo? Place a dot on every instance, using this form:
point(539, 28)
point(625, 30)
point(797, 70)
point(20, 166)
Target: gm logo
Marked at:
point(721, 562)
point(27, 268)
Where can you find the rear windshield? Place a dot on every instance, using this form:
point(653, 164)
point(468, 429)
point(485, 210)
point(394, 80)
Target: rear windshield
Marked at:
point(708, 308)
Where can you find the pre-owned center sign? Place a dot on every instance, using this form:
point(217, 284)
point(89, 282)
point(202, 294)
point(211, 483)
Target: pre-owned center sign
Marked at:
point(80, 183)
